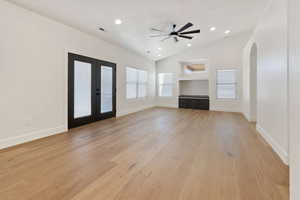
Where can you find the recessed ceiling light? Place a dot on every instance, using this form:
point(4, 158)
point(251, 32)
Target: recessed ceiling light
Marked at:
point(227, 31)
point(189, 45)
point(213, 28)
point(118, 21)
point(159, 48)
point(159, 55)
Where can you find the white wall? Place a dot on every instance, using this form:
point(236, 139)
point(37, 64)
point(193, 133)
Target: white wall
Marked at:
point(271, 39)
point(33, 73)
point(194, 87)
point(294, 84)
point(253, 81)
point(226, 53)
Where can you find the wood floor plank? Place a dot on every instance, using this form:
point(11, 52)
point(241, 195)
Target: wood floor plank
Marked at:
point(156, 154)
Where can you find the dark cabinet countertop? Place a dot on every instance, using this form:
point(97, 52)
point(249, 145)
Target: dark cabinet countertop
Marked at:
point(193, 97)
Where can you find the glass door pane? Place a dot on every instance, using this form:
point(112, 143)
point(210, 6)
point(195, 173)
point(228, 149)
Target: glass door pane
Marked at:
point(106, 89)
point(82, 89)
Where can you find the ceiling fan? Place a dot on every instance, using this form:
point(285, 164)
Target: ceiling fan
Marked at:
point(181, 33)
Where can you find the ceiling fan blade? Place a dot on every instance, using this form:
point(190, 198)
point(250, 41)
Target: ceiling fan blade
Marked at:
point(188, 25)
point(165, 38)
point(159, 35)
point(190, 32)
point(157, 30)
point(186, 37)
point(175, 39)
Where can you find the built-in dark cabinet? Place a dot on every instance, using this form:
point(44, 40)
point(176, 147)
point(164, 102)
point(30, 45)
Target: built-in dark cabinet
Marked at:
point(194, 102)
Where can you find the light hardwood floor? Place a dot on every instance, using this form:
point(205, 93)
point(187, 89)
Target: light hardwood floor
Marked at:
point(157, 154)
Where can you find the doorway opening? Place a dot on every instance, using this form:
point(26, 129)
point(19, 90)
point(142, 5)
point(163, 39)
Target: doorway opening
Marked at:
point(91, 90)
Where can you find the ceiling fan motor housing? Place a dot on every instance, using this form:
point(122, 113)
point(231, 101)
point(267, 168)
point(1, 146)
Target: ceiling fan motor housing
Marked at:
point(180, 33)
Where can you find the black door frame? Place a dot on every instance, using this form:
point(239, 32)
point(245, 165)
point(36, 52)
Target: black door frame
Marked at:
point(95, 90)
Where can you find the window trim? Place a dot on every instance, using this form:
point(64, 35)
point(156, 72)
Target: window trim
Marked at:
point(235, 83)
point(137, 83)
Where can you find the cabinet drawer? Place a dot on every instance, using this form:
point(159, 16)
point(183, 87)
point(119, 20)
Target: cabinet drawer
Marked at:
point(202, 104)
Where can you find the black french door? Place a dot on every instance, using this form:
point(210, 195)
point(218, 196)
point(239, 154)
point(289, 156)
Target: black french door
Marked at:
point(91, 90)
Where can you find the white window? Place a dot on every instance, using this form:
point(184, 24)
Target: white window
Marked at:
point(136, 83)
point(131, 83)
point(226, 84)
point(165, 82)
point(142, 83)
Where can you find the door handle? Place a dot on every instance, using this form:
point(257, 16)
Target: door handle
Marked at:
point(98, 93)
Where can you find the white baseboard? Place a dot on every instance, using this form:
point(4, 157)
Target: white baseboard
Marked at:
point(275, 146)
point(223, 110)
point(167, 106)
point(137, 109)
point(13, 141)
point(250, 119)
point(246, 116)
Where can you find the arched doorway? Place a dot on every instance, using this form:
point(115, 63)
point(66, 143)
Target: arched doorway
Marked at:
point(253, 83)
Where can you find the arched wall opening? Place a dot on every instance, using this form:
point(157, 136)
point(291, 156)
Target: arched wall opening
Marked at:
point(253, 83)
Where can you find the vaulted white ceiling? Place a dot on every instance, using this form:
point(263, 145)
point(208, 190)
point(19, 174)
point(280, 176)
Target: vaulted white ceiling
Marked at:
point(139, 16)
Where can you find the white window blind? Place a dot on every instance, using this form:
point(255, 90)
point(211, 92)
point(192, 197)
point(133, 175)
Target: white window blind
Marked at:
point(142, 83)
point(136, 83)
point(131, 83)
point(226, 84)
point(165, 82)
